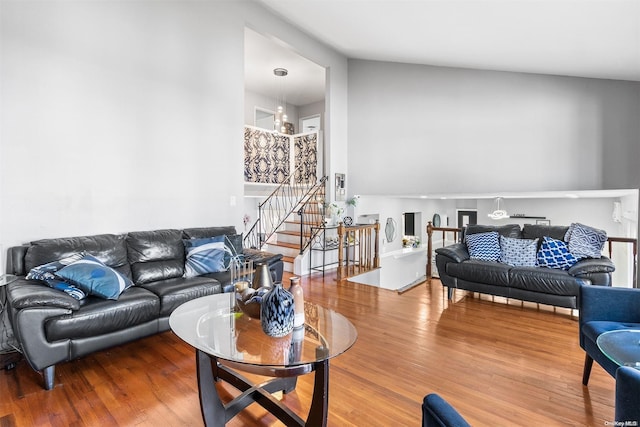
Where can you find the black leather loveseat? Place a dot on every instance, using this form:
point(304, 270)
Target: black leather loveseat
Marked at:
point(52, 326)
point(528, 283)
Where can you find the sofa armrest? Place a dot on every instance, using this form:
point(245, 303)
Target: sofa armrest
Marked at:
point(592, 265)
point(609, 304)
point(24, 293)
point(457, 252)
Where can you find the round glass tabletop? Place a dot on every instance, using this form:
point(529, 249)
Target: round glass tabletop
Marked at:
point(211, 325)
point(621, 346)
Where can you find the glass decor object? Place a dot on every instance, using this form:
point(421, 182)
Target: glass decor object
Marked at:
point(277, 312)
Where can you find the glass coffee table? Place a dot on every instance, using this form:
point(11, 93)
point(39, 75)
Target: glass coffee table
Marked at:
point(227, 341)
point(621, 346)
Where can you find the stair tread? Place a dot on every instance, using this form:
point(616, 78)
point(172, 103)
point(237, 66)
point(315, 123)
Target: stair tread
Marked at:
point(286, 245)
point(293, 233)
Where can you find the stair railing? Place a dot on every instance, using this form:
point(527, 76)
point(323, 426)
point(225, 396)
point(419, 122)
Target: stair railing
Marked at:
point(284, 200)
point(311, 213)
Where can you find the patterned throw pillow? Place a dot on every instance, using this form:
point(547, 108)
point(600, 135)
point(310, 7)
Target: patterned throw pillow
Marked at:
point(585, 241)
point(518, 252)
point(554, 253)
point(205, 255)
point(95, 278)
point(46, 274)
point(483, 246)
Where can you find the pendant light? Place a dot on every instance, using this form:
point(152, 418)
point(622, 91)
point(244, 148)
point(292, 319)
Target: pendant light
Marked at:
point(498, 213)
point(280, 117)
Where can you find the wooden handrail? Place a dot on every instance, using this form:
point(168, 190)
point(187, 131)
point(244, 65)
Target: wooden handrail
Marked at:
point(455, 231)
point(365, 256)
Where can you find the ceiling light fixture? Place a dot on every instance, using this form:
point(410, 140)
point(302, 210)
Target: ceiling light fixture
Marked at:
point(280, 117)
point(498, 213)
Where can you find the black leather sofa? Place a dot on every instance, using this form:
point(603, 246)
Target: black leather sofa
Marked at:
point(52, 327)
point(536, 284)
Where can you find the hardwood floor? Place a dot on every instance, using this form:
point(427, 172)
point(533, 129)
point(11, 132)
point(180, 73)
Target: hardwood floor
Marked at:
point(498, 363)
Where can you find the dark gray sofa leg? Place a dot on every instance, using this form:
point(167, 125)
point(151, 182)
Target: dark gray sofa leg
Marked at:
point(49, 376)
point(449, 292)
point(588, 363)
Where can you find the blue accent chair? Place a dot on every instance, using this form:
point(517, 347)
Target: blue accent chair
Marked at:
point(437, 412)
point(627, 396)
point(605, 309)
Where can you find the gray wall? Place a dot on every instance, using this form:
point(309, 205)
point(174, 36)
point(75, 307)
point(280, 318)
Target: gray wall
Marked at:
point(417, 129)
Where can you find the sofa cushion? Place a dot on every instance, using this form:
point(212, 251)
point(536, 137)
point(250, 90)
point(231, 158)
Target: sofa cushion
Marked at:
point(174, 292)
point(110, 249)
point(554, 253)
point(545, 280)
point(99, 316)
point(155, 255)
point(518, 252)
point(95, 278)
point(492, 273)
point(206, 255)
point(200, 232)
point(483, 246)
point(537, 231)
point(585, 241)
point(508, 230)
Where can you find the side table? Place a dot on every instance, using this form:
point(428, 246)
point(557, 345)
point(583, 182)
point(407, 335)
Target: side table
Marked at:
point(8, 359)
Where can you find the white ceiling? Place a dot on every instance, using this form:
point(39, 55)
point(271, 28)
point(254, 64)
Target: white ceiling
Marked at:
point(303, 85)
point(585, 38)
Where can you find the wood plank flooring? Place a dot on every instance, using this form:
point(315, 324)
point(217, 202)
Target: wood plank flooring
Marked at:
point(499, 363)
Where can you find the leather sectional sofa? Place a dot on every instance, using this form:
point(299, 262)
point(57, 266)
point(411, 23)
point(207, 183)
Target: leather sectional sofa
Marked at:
point(544, 285)
point(52, 326)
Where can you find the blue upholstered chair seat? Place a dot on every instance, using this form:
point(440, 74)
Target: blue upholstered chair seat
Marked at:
point(595, 328)
point(604, 309)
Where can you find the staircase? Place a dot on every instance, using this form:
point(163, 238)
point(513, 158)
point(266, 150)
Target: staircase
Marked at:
point(286, 219)
point(293, 237)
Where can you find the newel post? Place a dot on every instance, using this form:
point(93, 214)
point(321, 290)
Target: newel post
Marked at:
point(429, 249)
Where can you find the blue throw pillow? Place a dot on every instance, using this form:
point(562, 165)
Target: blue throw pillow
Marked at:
point(483, 246)
point(518, 252)
point(204, 256)
point(95, 278)
point(554, 253)
point(585, 241)
point(46, 274)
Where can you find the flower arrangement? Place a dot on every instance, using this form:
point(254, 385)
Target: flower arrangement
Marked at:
point(353, 201)
point(246, 219)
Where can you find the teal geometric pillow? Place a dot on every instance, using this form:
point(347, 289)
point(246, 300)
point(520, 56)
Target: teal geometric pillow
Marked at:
point(585, 241)
point(483, 246)
point(95, 278)
point(46, 274)
point(554, 253)
point(518, 252)
point(206, 255)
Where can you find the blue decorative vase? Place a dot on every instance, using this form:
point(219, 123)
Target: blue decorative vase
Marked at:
point(277, 312)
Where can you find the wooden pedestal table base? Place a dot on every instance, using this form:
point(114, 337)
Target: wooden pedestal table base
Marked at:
point(228, 342)
point(217, 414)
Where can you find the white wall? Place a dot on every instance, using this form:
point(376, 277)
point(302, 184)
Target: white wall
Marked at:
point(253, 100)
point(121, 116)
point(434, 129)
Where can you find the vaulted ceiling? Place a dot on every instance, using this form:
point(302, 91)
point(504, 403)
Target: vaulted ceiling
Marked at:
point(585, 38)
